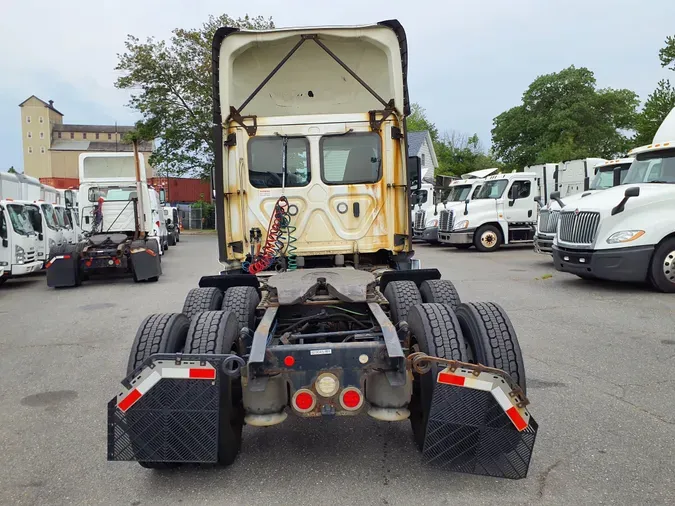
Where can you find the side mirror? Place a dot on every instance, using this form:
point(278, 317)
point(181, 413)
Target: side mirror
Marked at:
point(633, 191)
point(414, 172)
point(556, 196)
point(587, 181)
point(5, 243)
point(466, 207)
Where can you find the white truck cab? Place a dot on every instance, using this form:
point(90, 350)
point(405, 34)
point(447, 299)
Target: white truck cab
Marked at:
point(448, 192)
point(503, 212)
point(158, 221)
point(460, 191)
point(626, 233)
point(18, 241)
point(607, 174)
point(422, 199)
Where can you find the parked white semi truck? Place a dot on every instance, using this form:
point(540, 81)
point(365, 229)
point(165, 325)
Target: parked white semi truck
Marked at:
point(117, 217)
point(607, 175)
point(448, 192)
point(503, 212)
point(626, 233)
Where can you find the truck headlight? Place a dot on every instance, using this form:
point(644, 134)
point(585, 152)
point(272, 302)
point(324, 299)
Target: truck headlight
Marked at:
point(625, 236)
point(433, 223)
point(20, 254)
point(462, 225)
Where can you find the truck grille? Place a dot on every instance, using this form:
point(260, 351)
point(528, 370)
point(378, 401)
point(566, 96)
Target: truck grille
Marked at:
point(29, 257)
point(446, 221)
point(578, 227)
point(419, 220)
point(548, 221)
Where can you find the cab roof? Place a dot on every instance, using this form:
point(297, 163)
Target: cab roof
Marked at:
point(652, 147)
point(617, 161)
point(303, 71)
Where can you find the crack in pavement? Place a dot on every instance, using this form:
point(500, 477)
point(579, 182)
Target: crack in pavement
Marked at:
point(543, 476)
point(640, 408)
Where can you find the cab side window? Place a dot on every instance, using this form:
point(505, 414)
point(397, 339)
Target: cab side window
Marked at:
point(520, 190)
point(475, 191)
point(3, 224)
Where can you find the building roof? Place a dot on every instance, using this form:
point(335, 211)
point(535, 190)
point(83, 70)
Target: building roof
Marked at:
point(66, 145)
point(416, 141)
point(49, 105)
point(102, 129)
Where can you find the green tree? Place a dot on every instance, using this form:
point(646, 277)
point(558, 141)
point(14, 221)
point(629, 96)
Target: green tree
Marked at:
point(12, 170)
point(417, 121)
point(659, 103)
point(565, 116)
point(171, 88)
point(667, 53)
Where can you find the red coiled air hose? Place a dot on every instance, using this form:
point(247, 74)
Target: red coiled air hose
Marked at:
point(270, 250)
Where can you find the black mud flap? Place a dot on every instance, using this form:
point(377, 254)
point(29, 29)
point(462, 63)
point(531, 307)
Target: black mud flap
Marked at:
point(479, 429)
point(145, 262)
point(168, 410)
point(63, 270)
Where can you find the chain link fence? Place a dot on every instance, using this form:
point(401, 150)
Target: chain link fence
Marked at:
point(191, 218)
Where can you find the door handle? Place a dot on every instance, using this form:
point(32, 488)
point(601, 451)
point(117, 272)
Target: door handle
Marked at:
point(529, 213)
point(357, 209)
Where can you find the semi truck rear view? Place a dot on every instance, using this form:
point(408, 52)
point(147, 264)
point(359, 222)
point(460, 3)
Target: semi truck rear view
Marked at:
point(319, 310)
point(116, 217)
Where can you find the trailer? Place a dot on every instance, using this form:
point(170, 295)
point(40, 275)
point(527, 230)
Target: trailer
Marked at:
point(320, 310)
point(118, 221)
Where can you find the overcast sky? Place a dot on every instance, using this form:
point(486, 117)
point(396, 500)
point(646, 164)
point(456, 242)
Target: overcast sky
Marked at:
point(469, 60)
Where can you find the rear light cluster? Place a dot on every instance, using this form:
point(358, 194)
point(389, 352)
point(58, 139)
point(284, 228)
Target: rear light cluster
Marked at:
point(327, 385)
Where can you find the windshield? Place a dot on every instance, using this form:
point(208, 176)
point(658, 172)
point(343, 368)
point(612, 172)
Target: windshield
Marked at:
point(50, 216)
point(62, 218)
point(492, 189)
point(604, 177)
point(20, 220)
point(112, 193)
point(459, 193)
point(34, 216)
point(656, 167)
point(422, 195)
point(441, 195)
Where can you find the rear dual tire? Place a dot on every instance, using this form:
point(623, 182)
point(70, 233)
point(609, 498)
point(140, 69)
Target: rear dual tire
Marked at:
point(210, 332)
point(476, 333)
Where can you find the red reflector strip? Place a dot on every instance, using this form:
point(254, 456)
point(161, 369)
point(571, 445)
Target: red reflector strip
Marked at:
point(450, 379)
point(129, 400)
point(150, 252)
point(66, 257)
point(517, 420)
point(202, 374)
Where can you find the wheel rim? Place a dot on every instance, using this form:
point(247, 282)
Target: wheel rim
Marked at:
point(669, 267)
point(488, 239)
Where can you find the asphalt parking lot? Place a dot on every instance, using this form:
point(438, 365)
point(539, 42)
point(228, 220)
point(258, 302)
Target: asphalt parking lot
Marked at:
point(599, 358)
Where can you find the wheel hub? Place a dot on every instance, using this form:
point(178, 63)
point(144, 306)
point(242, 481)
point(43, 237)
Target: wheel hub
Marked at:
point(488, 239)
point(669, 267)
